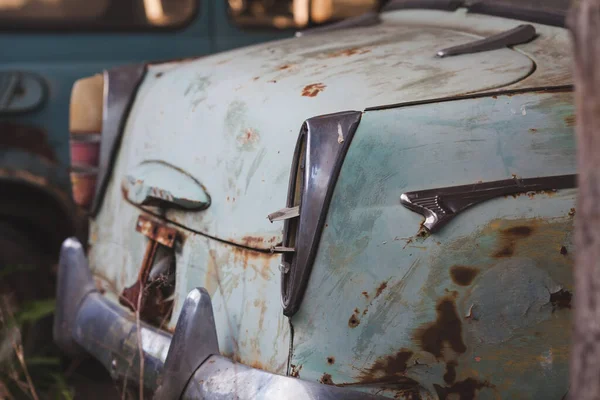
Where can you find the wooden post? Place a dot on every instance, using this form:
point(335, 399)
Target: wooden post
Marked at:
point(584, 22)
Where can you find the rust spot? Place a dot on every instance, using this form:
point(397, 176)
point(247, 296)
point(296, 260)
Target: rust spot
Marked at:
point(256, 78)
point(353, 322)
point(285, 66)
point(561, 299)
point(326, 379)
point(445, 331)
point(158, 74)
point(253, 364)
point(313, 89)
point(450, 375)
point(572, 212)
point(295, 371)
point(494, 97)
point(156, 230)
point(423, 233)
point(520, 231)
point(532, 130)
point(463, 390)
point(248, 137)
point(570, 120)
point(256, 241)
point(27, 138)
point(563, 250)
point(331, 360)
point(262, 305)
point(509, 238)
point(348, 52)
point(366, 295)
point(380, 289)
point(462, 275)
point(387, 369)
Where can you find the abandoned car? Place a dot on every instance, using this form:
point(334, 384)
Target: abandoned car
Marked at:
point(379, 208)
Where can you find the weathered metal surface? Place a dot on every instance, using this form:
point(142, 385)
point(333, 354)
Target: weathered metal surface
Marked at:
point(551, 50)
point(215, 121)
point(440, 205)
point(518, 35)
point(188, 360)
point(149, 296)
point(159, 184)
point(243, 284)
point(156, 231)
point(480, 310)
point(220, 379)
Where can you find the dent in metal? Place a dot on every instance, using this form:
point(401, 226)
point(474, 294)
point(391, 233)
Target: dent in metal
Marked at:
point(120, 87)
point(519, 35)
point(154, 183)
point(439, 206)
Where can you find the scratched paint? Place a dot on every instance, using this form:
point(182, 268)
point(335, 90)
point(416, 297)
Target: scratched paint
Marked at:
point(480, 309)
point(243, 285)
point(386, 295)
point(242, 118)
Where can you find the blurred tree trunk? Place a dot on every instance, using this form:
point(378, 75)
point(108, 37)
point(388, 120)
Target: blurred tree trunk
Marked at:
point(584, 22)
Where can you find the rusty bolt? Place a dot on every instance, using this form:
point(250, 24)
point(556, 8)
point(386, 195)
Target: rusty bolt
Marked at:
point(284, 267)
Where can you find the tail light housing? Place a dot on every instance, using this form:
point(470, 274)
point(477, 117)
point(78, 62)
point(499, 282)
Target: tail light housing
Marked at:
point(85, 127)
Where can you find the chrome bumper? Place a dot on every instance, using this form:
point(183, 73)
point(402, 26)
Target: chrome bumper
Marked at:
point(184, 365)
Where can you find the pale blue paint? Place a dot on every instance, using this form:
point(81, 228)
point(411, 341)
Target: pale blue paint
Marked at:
point(239, 112)
point(366, 242)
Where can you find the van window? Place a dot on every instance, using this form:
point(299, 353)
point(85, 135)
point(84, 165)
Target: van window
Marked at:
point(286, 14)
point(95, 14)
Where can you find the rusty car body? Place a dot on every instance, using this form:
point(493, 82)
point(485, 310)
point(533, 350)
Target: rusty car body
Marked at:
point(347, 214)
